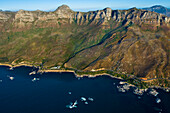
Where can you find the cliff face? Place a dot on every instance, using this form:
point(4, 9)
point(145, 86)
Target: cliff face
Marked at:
point(130, 41)
point(6, 19)
point(64, 15)
point(28, 19)
point(125, 16)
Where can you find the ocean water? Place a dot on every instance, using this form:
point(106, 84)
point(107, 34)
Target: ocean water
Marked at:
point(50, 94)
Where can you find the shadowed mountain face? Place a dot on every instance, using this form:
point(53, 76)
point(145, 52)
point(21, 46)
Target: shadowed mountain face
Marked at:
point(159, 9)
point(131, 41)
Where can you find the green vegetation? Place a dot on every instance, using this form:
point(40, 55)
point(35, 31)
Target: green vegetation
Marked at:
point(4, 59)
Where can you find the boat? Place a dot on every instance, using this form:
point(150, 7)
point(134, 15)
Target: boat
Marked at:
point(86, 103)
point(158, 100)
point(121, 82)
point(69, 93)
point(11, 68)
point(72, 105)
point(91, 99)
point(11, 78)
point(32, 73)
point(35, 79)
point(167, 90)
point(83, 99)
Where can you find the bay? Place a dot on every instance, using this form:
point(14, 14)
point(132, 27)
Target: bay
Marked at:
point(50, 94)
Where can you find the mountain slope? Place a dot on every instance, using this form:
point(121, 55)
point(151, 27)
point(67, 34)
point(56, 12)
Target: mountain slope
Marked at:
point(159, 9)
point(130, 41)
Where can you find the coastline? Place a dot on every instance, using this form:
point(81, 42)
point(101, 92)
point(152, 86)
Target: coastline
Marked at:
point(9, 65)
point(72, 71)
point(62, 70)
point(18, 65)
point(95, 75)
point(83, 75)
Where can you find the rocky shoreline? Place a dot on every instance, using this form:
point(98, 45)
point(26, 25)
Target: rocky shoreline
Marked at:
point(77, 75)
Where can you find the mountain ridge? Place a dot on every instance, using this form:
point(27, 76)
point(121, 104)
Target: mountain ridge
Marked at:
point(28, 19)
point(159, 9)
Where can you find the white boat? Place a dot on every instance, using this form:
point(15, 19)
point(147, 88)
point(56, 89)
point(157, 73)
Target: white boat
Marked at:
point(121, 82)
point(11, 68)
point(32, 73)
point(86, 103)
point(69, 93)
point(0, 80)
point(167, 90)
point(158, 100)
point(35, 79)
point(83, 99)
point(91, 99)
point(72, 105)
point(11, 78)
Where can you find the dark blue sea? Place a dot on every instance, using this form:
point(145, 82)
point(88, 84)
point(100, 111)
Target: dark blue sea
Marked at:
point(50, 94)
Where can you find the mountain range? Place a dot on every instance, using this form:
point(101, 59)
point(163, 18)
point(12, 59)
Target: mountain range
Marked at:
point(159, 9)
point(133, 41)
